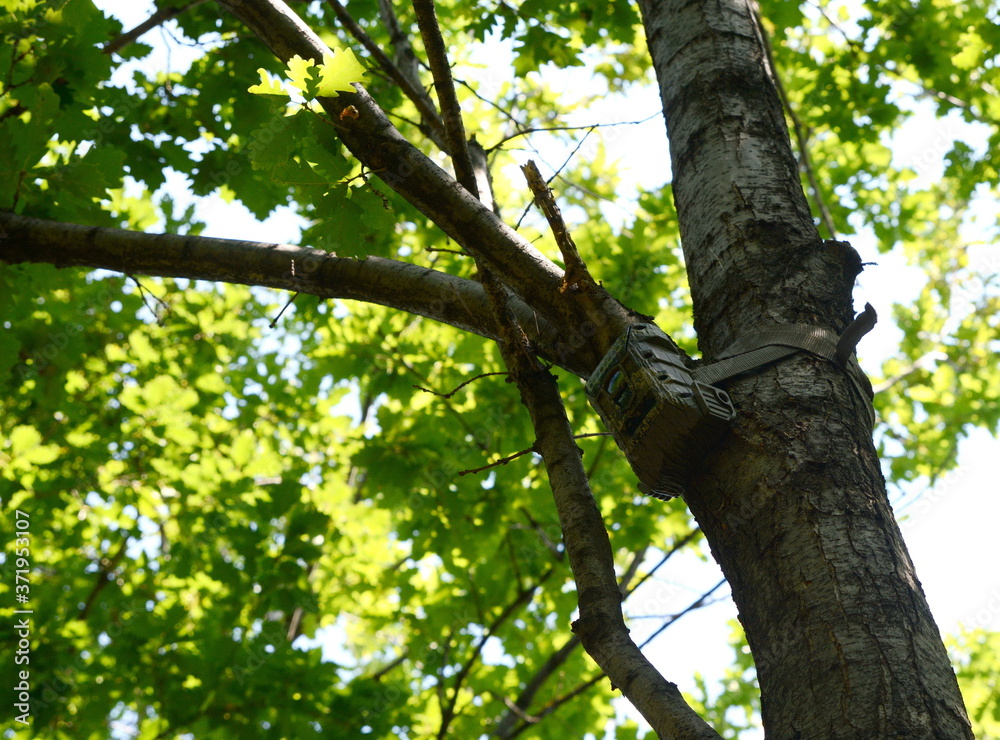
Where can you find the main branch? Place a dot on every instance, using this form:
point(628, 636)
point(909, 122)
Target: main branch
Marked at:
point(436, 295)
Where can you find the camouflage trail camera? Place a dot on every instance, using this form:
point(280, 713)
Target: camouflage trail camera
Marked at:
point(662, 418)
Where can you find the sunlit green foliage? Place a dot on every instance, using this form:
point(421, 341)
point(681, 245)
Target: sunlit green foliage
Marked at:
point(976, 653)
point(207, 494)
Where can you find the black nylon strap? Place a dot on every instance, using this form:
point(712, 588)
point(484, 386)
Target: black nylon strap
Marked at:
point(760, 348)
point(863, 323)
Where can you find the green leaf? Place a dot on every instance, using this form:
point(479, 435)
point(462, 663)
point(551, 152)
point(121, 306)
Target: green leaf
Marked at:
point(338, 71)
point(268, 85)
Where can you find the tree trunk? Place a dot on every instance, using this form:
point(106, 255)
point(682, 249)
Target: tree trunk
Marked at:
point(793, 502)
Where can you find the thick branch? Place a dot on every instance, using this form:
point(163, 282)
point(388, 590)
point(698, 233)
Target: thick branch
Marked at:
point(436, 295)
point(601, 626)
point(377, 144)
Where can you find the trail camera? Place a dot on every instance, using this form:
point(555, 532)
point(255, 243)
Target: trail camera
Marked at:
point(663, 419)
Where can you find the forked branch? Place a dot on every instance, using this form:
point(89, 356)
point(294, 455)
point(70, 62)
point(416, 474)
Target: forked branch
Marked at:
point(372, 138)
point(601, 626)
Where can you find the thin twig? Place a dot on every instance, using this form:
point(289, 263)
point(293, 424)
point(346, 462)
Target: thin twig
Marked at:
point(288, 303)
point(558, 702)
point(519, 707)
point(666, 556)
point(921, 363)
point(633, 568)
point(515, 565)
point(576, 275)
point(522, 599)
point(492, 103)
point(444, 85)
point(698, 604)
point(498, 463)
point(458, 388)
point(546, 129)
point(144, 291)
point(459, 252)
point(423, 378)
point(518, 713)
point(415, 93)
point(555, 174)
point(930, 92)
point(505, 730)
point(509, 458)
point(552, 547)
point(833, 23)
point(598, 456)
point(159, 17)
point(377, 676)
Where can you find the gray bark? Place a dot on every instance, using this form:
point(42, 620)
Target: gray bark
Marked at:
point(793, 503)
point(417, 290)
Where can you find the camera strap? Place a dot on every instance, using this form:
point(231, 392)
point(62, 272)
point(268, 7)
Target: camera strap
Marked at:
point(760, 348)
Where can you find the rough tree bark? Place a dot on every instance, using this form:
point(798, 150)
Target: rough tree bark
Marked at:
point(794, 503)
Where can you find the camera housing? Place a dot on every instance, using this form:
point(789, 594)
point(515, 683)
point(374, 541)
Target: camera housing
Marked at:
point(663, 419)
